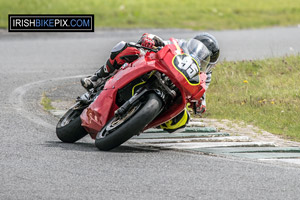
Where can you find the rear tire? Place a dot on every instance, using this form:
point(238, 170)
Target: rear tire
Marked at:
point(107, 140)
point(69, 127)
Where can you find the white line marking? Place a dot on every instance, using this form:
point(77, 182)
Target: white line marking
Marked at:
point(16, 99)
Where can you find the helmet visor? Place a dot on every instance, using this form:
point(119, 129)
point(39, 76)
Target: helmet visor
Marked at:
point(199, 52)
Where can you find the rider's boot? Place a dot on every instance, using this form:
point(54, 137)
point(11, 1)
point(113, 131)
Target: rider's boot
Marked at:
point(120, 54)
point(95, 80)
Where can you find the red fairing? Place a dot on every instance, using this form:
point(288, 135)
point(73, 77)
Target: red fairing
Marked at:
point(102, 109)
point(97, 114)
point(199, 94)
point(167, 55)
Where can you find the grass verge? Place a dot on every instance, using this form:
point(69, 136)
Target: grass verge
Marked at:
point(264, 93)
point(203, 14)
point(46, 102)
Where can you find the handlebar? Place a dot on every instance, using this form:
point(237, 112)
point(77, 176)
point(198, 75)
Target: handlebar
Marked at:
point(131, 44)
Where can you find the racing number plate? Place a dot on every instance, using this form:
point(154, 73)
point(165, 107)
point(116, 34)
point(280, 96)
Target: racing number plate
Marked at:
point(188, 67)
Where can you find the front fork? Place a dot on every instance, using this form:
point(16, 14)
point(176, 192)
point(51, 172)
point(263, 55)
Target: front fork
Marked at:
point(163, 91)
point(134, 100)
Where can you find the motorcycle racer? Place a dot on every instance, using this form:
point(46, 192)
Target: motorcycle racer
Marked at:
point(124, 53)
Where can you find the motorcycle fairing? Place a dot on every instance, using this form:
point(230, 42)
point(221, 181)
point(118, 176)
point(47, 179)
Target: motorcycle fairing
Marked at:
point(102, 109)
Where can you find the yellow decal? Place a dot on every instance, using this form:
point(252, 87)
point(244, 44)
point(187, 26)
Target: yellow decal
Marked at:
point(137, 85)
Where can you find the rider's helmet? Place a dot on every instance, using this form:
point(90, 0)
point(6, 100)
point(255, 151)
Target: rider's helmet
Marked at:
point(213, 46)
point(198, 51)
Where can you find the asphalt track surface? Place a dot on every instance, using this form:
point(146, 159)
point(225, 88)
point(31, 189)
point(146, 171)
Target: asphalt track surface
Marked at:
point(35, 165)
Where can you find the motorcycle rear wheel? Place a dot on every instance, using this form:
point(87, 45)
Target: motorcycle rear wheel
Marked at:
point(117, 131)
point(69, 127)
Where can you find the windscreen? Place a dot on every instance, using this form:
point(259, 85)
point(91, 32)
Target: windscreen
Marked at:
point(198, 51)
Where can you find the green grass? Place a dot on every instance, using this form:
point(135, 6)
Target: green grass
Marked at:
point(194, 14)
point(264, 93)
point(46, 102)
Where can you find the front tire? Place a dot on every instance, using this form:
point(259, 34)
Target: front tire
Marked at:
point(69, 127)
point(109, 137)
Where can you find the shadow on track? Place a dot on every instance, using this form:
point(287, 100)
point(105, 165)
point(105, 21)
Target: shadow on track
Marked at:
point(90, 147)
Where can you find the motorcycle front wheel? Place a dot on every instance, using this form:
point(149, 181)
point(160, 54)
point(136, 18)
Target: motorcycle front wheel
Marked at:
point(119, 130)
point(69, 127)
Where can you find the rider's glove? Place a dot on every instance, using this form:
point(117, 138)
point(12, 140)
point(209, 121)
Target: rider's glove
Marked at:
point(147, 42)
point(158, 42)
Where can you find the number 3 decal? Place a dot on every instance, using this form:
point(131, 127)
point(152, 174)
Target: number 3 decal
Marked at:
point(188, 67)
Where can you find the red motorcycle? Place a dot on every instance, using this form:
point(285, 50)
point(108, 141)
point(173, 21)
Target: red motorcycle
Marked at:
point(143, 94)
